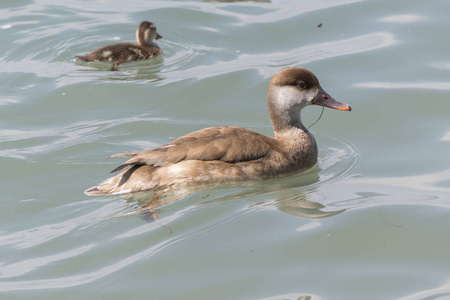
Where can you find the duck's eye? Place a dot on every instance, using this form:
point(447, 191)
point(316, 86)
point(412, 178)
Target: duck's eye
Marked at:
point(301, 84)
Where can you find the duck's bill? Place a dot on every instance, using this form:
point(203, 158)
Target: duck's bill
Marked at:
point(158, 37)
point(323, 99)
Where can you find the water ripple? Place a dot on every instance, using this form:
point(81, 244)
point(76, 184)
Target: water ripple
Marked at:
point(339, 160)
point(296, 56)
point(441, 292)
point(51, 140)
point(41, 234)
point(442, 85)
point(84, 278)
point(29, 265)
point(280, 13)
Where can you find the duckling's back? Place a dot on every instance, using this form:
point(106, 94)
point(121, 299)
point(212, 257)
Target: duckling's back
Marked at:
point(123, 52)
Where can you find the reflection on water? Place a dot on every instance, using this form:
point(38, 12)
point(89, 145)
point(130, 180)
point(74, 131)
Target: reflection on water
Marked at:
point(76, 280)
point(436, 182)
point(293, 201)
point(286, 199)
point(298, 205)
point(228, 1)
point(366, 199)
point(406, 85)
point(293, 297)
point(292, 57)
point(149, 70)
point(442, 292)
point(402, 19)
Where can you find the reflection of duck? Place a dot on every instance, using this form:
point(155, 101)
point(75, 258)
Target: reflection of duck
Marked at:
point(283, 194)
point(228, 153)
point(145, 48)
point(297, 204)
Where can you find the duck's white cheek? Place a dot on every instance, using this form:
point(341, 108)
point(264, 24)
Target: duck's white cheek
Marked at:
point(287, 96)
point(310, 94)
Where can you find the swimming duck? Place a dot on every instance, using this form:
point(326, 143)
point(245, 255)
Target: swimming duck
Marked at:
point(145, 48)
point(229, 153)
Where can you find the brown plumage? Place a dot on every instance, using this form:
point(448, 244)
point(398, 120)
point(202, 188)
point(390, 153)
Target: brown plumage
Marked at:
point(228, 153)
point(145, 48)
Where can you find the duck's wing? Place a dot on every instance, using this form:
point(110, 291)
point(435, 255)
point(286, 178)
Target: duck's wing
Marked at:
point(118, 52)
point(126, 154)
point(228, 144)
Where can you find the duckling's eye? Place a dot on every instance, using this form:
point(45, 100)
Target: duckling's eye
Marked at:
point(301, 84)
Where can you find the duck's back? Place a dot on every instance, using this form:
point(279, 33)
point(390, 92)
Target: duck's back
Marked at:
point(122, 52)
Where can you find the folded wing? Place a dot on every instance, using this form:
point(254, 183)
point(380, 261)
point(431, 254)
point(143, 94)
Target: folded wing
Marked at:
point(228, 144)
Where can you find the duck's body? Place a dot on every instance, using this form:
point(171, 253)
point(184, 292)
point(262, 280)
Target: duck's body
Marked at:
point(220, 154)
point(145, 48)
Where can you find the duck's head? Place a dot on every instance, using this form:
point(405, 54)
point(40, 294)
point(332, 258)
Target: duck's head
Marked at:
point(146, 33)
point(290, 90)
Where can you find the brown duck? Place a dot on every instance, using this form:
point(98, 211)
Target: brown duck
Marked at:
point(228, 153)
point(145, 48)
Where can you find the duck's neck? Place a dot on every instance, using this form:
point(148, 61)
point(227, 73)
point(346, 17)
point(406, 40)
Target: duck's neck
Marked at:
point(291, 132)
point(285, 113)
point(297, 141)
point(141, 40)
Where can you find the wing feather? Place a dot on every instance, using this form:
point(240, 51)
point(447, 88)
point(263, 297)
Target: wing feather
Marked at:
point(229, 144)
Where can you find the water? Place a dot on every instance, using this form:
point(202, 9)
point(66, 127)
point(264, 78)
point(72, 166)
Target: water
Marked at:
point(370, 221)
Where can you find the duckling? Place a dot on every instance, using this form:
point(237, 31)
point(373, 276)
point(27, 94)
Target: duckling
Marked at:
point(145, 48)
point(229, 153)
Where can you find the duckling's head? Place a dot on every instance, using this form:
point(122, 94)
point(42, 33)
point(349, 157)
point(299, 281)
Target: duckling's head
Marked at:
point(290, 90)
point(146, 33)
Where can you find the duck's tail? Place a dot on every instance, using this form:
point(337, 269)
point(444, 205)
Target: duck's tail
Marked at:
point(82, 57)
point(119, 184)
point(95, 191)
point(108, 187)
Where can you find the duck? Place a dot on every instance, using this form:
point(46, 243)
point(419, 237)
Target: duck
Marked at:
point(231, 153)
point(145, 48)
